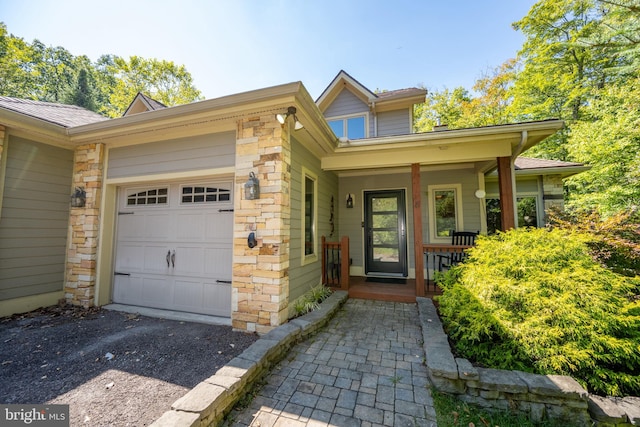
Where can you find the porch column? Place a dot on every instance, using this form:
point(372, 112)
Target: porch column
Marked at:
point(507, 200)
point(82, 247)
point(260, 286)
point(417, 229)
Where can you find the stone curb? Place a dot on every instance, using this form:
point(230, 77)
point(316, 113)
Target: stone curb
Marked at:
point(208, 402)
point(539, 397)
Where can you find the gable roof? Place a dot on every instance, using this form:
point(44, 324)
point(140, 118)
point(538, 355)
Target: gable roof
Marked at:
point(63, 115)
point(380, 101)
point(532, 166)
point(143, 103)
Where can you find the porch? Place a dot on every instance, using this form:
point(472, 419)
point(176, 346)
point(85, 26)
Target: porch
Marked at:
point(335, 274)
point(381, 290)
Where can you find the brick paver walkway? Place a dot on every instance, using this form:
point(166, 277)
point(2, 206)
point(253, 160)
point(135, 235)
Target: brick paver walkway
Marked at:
point(365, 368)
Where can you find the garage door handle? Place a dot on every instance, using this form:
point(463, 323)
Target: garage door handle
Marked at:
point(173, 259)
point(121, 274)
point(228, 282)
point(168, 257)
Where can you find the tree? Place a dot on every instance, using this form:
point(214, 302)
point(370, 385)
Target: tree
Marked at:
point(162, 80)
point(445, 107)
point(82, 93)
point(16, 62)
point(40, 72)
point(610, 143)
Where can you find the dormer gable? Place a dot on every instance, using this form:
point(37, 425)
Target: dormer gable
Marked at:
point(355, 112)
point(141, 104)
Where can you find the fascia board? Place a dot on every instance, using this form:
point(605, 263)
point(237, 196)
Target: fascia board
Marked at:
point(30, 127)
point(224, 106)
point(428, 154)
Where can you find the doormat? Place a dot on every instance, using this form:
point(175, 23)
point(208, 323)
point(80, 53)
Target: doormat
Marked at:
point(391, 280)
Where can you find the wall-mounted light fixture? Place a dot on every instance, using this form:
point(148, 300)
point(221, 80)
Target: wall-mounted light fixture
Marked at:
point(252, 187)
point(78, 198)
point(291, 111)
point(480, 194)
point(350, 198)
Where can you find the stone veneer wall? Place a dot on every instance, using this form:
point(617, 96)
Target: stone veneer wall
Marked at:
point(260, 289)
point(80, 278)
point(539, 397)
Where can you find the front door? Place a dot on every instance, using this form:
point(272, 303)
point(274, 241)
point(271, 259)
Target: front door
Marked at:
point(385, 233)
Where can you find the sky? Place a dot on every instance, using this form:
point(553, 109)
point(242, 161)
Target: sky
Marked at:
point(232, 46)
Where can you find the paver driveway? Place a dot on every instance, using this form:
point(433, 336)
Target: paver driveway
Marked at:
point(365, 368)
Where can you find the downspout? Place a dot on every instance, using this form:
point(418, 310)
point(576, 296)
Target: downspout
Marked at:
point(524, 136)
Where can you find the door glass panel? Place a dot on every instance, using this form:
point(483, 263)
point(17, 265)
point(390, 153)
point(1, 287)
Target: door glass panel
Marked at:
point(385, 236)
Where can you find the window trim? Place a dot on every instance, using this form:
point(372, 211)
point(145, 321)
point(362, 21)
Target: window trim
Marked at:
point(346, 117)
point(431, 189)
point(313, 257)
point(540, 211)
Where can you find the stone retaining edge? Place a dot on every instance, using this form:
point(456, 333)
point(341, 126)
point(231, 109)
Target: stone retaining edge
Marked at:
point(539, 397)
point(210, 401)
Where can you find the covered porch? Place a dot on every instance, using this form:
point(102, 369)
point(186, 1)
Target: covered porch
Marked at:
point(402, 177)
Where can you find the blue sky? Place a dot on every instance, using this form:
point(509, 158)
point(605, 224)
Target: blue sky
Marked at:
point(232, 46)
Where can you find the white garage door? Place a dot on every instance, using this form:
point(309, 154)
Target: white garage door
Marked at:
point(174, 247)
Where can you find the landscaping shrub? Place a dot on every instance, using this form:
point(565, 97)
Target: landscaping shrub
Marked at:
point(615, 240)
point(536, 300)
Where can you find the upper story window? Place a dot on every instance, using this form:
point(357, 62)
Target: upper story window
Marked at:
point(353, 127)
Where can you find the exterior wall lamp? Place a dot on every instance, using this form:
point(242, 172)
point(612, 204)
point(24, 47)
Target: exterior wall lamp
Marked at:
point(79, 198)
point(252, 187)
point(291, 111)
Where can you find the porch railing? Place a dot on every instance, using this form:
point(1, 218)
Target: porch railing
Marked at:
point(437, 252)
point(335, 263)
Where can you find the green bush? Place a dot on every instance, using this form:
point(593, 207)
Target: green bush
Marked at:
point(615, 240)
point(536, 300)
point(310, 300)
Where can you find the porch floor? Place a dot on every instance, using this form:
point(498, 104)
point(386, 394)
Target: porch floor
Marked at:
point(359, 287)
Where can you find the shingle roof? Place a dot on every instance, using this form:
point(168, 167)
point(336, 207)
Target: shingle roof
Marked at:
point(523, 163)
point(400, 93)
point(60, 114)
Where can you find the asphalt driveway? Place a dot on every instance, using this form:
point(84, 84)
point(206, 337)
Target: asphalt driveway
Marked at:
point(112, 368)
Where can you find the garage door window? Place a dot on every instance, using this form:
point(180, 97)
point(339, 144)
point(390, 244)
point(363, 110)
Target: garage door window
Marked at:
point(155, 196)
point(204, 194)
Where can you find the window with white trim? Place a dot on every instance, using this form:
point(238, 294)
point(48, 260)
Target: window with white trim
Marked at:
point(527, 212)
point(353, 127)
point(445, 211)
point(153, 196)
point(204, 194)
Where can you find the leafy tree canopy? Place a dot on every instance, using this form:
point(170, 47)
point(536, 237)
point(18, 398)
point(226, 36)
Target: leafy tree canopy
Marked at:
point(45, 73)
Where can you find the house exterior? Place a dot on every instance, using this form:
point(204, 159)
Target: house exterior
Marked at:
point(168, 221)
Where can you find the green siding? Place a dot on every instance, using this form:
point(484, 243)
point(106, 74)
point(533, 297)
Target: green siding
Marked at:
point(34, 219)
point(303, 277)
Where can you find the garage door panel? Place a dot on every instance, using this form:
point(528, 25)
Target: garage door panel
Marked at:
point(217, 297)
point(130, 258)
point(155, 259)
point(189, 261)
point(219, 263)
point(128, 288)
point(157, 226)
point(197, 232)
point(131, 227)
point(188, 295)
point(218, 227)
point(157, 292)
point(189, 226)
